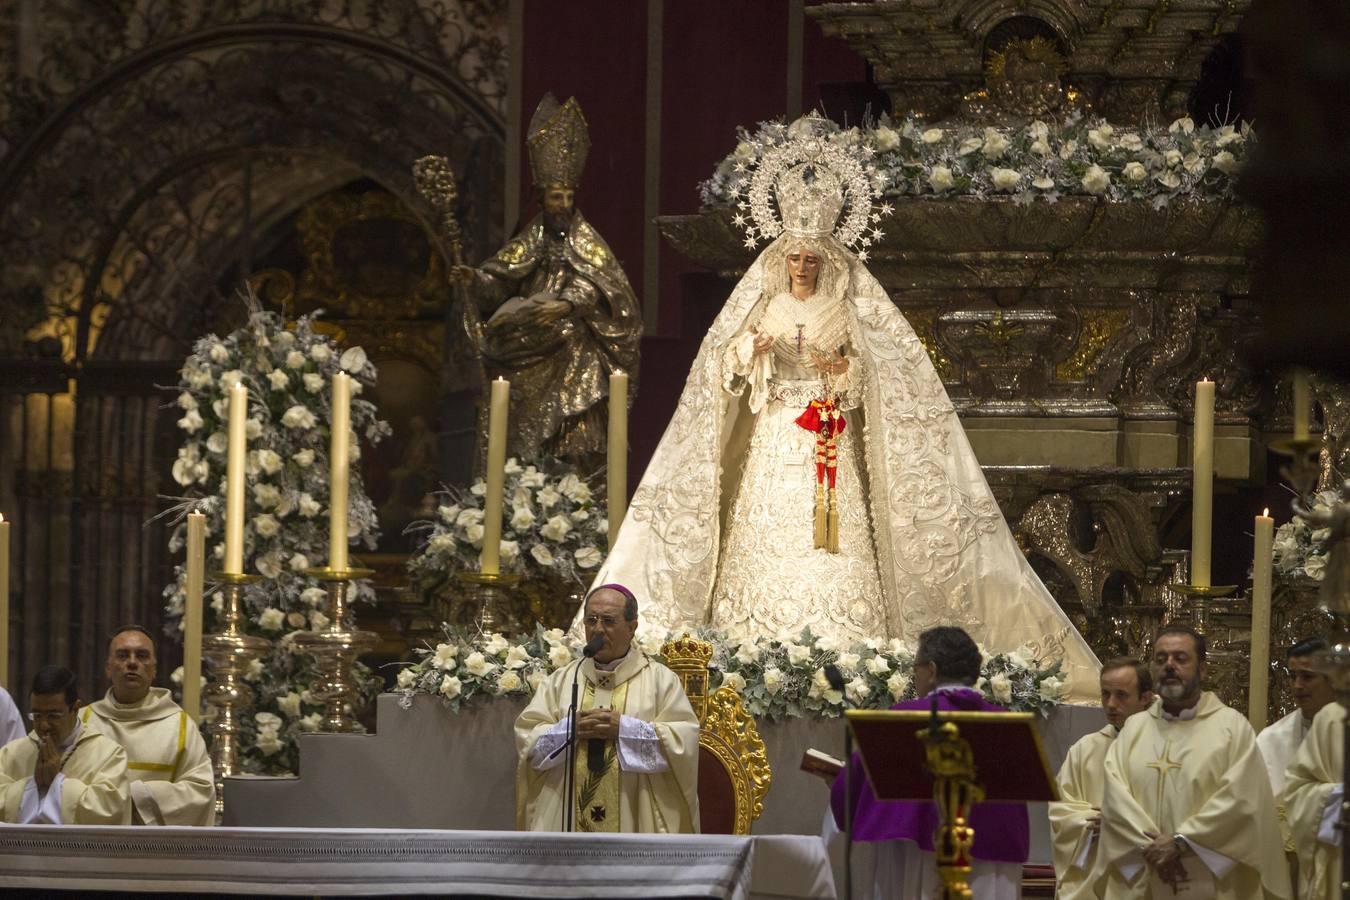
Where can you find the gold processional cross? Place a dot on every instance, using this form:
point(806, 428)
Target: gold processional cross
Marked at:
point(1163, 764)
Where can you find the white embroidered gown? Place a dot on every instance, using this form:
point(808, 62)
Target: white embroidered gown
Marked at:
point(771, 578)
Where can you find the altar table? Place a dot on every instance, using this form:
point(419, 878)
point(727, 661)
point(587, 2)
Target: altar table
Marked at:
point(365, 861)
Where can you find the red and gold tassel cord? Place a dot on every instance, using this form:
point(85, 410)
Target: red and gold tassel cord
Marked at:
point(824, 418)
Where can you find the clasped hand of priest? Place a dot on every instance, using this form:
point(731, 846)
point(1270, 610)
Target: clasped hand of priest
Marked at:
point(1164, 856)
point(48, 764)
point(598, 723)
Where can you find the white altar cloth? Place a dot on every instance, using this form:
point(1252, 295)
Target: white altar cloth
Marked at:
point(369, 861)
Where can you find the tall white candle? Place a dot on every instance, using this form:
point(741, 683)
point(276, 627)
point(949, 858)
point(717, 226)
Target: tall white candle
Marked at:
point(489, 558)
point(1202, 490)
point(617, 466)
point(339, 474)
point(192, 614)
point(1262, 563)
point(1302, 404)
point(4, 604)
point(234, 481)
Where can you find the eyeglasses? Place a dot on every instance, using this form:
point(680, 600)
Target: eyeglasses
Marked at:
point(607, 621)
point(36, 717)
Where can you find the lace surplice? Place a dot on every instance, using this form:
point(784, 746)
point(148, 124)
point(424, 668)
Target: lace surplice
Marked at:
point(771, 579)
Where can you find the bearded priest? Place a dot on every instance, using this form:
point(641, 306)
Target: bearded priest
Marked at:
point(637, 736)
point(1076, 819)
point(1186, 797)
point(168, 766)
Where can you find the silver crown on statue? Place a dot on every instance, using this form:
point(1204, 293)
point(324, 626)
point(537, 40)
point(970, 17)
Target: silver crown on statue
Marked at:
point(811, 185)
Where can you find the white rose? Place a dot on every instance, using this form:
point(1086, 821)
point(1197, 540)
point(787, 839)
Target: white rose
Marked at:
point(320, 352)
point(1051, 688)
point(269, 742)
point(1225, 162)
point(532, 478)
point(556, 528)
point(1169, 180)
point(318, 621)
point(1100, 137)
point(878, 665)
point(187, 401)
point(940, 179)
point(1132, 142)
point(517, 658)
point(444, 657)
point(266, 495)
point(253, 672)
point(995, 143)
point(267, 720)
point(1001, 687)
point(313, 596)
point(887, 139)
point(469, 517)
point(300, 562)
point(932, 135)
point(548, 497)
point(588, 557)
point(279, 379)
point(1134, 171)
point(1005, 179)
point(477, 664)
point(847, 661)
point(218, 442)
point(1315, 567)
point(479, 488)
point(542, 555)
point(269, 565)
point(1043, 182)
point(1227, 135)
point(313, 382)
point(968, 146)
point(1040, 148)
point(269, 461)
point(1095, 180)
point(474, 534)
point(495, 644)
point(857, 689)
point(509, 682)
point(508, 551)
point(747, 654)
point(310, 722)
point(303, 458)
point(191, 422)
point(406, 678)
point(535, 678)
point(353, 360)
point(521, 518)
point(1173, 158)
point(290, 704)
point(735, 681)
point(197, 378)
point(581, 515)
point(574, 489)
point(559, 655)
point(450, 687)
point(897, 684)
point(797, 654)
point(271, 619)
point(773, 680)
point(448, 513)
point(217, 352)
point(443, 543)
point(309, 507)
point(513, 466)
point(253, 429)
point(298, 417)
point(295, 360)
point(1068, 149)
point(266, 525)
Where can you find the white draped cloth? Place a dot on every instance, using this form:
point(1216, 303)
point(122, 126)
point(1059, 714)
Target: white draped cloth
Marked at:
point(717, 531)
point(11, 723)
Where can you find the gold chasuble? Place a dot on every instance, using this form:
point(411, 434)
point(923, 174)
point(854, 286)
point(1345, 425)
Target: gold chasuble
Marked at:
point(93, 783)
point(608, 796)
point(1312, 783)
point(167, 762)
point(1200, 777)
point(1081, 783)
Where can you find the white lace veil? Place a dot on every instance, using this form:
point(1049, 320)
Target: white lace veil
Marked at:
point(945, 554)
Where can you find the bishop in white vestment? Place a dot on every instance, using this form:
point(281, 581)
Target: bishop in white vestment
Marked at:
point(1075, 820)
point(1313, 791)
point(1186, 798)
point(637, 736)
point(168, 764)
point(63, 772)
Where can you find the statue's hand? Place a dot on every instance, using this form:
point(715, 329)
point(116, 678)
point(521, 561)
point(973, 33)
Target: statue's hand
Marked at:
point(463, 276)
point(547, 312)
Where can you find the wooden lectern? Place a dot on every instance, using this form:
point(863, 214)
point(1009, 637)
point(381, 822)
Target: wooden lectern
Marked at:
point(955, 759)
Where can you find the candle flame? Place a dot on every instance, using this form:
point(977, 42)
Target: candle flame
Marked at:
point(1266, 511)
point(2, 517)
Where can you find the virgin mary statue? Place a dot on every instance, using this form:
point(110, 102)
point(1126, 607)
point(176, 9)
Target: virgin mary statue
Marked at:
point(815, 473)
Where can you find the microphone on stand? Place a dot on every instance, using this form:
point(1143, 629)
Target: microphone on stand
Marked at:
point(836, 681)
point(595, 748)
point(569, 765)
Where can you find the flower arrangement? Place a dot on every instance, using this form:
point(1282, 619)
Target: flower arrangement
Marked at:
point(288, 371)
point(554, 526)
point(1300, 549)
point(1037, 161)
point(778, 678)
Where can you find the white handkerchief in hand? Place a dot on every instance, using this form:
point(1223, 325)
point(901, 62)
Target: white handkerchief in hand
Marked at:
point(1198, 884)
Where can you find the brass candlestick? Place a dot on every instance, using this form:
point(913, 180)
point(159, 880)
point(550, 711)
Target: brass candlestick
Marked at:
point(229, 651)
point(1200, 596)
point(488, 602)
point(335, 648)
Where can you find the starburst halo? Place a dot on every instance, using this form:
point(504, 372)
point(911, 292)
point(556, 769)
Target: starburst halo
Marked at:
point(856, 225)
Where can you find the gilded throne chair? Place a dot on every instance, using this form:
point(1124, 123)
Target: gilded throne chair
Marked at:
point(733, 768)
